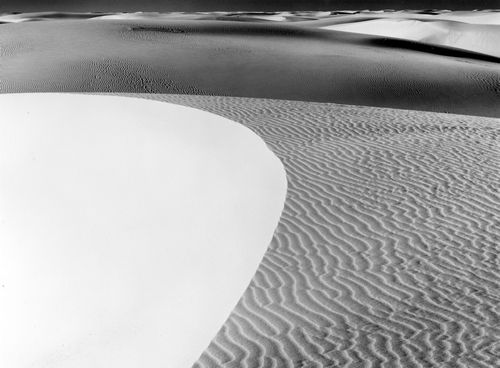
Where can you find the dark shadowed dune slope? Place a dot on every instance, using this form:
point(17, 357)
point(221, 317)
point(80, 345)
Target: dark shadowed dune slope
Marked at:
point(386, 42)
point(387, 251)
point(267, 60)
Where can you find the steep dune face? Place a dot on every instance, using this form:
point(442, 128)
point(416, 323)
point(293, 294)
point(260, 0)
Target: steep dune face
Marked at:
point(129, 229)
point(479, 38)
point(387, 250)
point(266, 60)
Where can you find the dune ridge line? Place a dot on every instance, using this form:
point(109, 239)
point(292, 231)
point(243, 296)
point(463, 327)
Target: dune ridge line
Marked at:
point(387, 250)
point(129, 228)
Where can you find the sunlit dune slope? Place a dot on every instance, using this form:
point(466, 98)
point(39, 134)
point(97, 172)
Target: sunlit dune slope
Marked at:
point(479, 38)
point(129, 229)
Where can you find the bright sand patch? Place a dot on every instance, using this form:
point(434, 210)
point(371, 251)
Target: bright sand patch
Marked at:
point(473, 37)
point(129, 228)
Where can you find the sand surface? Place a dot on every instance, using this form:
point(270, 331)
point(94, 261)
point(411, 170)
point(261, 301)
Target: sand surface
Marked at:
point(486, 16)
point(265, 59)
point(129, 229)
point(386, 254)
point(387, 251)
point(473, 37)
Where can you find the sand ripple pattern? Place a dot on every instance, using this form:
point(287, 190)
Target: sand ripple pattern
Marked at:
point(387, 252)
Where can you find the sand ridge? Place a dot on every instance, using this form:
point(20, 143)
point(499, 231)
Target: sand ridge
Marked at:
point(478, 38)
point(128, 230)
point(386, 253)
point(486, 16)
point(246, 59)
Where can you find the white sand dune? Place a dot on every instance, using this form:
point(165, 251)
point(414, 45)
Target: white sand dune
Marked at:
point(332, 17)
point(387, 250)
point(386, 253)
point(472, 17)
point(486, 17)
point(245, 59)
point(42, 16)
point(152, 16)
point(128, 229)
point(479, 38)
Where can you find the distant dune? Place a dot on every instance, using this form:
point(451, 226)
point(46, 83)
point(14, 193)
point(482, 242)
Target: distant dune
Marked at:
point(387, 250)
point(479, 38)
point(337, 16)
point(207, 54)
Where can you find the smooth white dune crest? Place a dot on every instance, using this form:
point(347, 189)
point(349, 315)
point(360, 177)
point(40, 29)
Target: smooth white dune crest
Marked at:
point(466, 16)
point(471, 17)
point(128, 228)
point(473, 37)
point(147, 15)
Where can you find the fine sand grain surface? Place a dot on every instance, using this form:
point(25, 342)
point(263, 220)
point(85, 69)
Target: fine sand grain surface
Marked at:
point(268, 59)
point(129, 229)
point(387, 251)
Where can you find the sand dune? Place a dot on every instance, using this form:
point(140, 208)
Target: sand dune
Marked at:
point(156, 16)
point(332, 17)
point(128, 229)
point(472, 17)
point(479, 38)
point(41, 16)
point(487, 17)
point(386, 253)
point(266, 60)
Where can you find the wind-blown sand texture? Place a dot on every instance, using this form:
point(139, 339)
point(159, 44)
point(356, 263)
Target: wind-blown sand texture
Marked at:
point(129, 229)
point(386, 254)
point(269, 59)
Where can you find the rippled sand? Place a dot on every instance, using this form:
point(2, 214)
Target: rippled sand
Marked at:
point(264, 59)
point(386, 253)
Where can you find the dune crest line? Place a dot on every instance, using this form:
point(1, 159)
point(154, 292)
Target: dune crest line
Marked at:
point(128, 230)
point(251, 59)
point(387, 250)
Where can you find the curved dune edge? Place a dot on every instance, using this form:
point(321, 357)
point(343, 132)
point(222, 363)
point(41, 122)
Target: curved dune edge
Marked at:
point(477, 38)
point(128, 228)
point(387, 249)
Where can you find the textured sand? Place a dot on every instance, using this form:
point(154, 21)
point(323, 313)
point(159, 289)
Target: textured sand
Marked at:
point(338, 16)
point(129, 229)
point(386, 254)
point(247, 59)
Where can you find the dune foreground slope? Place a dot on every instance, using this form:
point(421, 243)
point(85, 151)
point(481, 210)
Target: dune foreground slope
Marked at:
point(386, 254)
point(443, 65)
point(128, 229)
